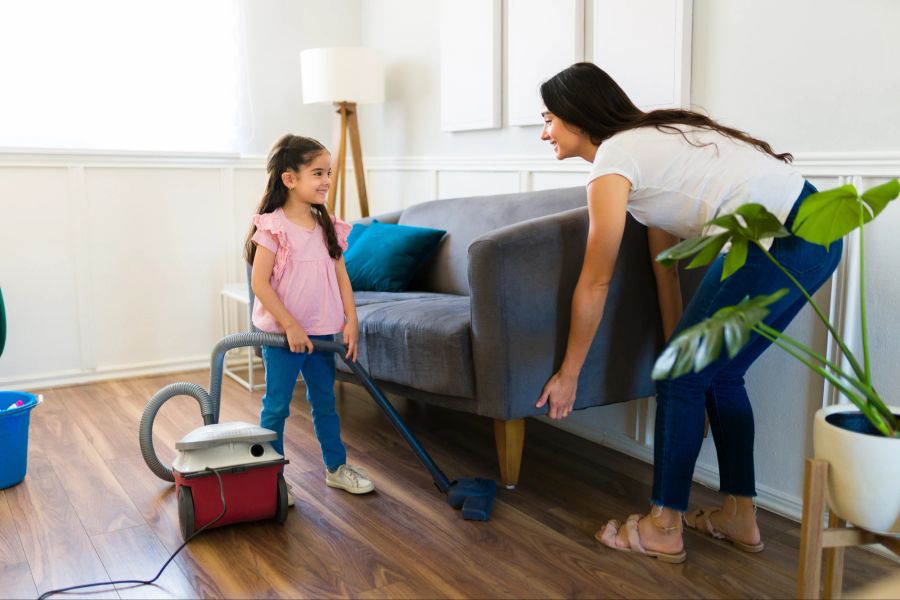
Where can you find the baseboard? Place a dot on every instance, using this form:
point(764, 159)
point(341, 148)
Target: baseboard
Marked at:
point(44, 381)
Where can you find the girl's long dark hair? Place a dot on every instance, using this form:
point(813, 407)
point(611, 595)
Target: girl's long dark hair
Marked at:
point(585, 96)
point(289, 154)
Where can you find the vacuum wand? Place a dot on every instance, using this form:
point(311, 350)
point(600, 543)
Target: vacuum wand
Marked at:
point(475, 496)
point(440, 480)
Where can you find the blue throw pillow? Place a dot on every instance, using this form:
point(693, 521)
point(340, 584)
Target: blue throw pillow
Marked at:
point(357, 230)
point(385, 257)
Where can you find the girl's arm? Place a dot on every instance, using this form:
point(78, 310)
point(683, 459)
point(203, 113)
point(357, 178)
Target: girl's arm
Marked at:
point(351, 328)
point(668, 286)
point(263, 263)
point(607, 203)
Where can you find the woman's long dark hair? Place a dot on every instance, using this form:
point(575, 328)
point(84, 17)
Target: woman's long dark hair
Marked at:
point(585, 96)
point(289, 154)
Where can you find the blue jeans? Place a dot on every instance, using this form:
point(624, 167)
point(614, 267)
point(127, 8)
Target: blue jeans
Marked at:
point(282, 368)
point(720, 386)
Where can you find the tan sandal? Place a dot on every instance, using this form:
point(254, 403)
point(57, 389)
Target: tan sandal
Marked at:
point(607, 537)
point(692, 520)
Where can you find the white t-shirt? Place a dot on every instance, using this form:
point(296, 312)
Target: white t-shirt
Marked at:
point(677, 187)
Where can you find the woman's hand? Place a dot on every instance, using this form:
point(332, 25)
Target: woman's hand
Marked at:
point(351, 338)
point(298, 341)
point(559, 391)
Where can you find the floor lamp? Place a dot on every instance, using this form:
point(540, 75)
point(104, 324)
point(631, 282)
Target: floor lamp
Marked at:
point(345, 77)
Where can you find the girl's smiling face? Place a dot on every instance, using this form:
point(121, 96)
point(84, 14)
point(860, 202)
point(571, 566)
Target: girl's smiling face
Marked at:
point(310, 183)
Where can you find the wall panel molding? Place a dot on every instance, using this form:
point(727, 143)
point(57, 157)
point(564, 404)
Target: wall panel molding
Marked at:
point(526, 170)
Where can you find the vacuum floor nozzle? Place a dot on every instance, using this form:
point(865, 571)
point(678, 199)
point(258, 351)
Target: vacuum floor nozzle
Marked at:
point(475, 496)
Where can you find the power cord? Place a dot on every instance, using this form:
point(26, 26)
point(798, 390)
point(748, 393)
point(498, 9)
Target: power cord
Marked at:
point(166, 564)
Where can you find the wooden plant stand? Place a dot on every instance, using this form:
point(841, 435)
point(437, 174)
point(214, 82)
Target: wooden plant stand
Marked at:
point(814, 537)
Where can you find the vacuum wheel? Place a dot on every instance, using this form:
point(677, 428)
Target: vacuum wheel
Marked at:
point(281, 504)
point(185, 512)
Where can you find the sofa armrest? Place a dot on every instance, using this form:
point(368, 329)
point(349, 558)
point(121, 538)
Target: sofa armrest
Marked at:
point(522, 278)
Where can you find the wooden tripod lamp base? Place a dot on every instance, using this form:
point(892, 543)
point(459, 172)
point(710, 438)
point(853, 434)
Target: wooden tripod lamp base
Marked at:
point(349, 125)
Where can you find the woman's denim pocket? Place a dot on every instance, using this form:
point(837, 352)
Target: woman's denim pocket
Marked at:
point(801, 257)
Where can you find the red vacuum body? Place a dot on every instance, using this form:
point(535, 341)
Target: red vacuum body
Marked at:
point(249, 469)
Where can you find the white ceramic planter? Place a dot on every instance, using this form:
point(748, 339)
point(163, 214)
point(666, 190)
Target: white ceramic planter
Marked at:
point(863, 473)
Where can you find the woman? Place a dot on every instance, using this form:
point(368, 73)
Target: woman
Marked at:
point(673, 171)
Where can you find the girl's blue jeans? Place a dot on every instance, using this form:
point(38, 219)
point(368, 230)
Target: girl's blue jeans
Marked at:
point(719, 388)
point(282, 368)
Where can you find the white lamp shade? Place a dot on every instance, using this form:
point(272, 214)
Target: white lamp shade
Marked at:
point(341, 75)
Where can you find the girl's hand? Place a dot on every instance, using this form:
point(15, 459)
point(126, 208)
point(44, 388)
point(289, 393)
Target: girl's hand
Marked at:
point(559, 391)
point(351, 338)
point(298, 341)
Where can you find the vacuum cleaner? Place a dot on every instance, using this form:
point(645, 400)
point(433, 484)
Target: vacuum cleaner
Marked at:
point(228, 464)
point(231, 469)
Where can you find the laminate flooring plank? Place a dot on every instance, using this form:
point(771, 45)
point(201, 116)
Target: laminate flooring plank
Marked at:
point(106, 415)
point(136, 553)
point(515, 543)
point(53, 538)
point(101, 503)
point(15, 574)
point(392, 530)
point(155, 500)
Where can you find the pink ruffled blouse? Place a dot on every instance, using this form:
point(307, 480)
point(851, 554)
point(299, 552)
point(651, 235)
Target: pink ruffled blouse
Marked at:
point(304, 276)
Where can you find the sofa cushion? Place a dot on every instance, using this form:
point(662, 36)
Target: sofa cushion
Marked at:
point(468, 218)
point(418, 340)
point(386, 256)
point(362, 298)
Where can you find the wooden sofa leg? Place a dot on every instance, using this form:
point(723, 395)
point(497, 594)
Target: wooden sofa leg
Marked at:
point(510, 438)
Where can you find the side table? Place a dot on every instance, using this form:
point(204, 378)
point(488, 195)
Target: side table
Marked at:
point(235, 301)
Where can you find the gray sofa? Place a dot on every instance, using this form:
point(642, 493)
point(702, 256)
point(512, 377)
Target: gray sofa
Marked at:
point(485, 321)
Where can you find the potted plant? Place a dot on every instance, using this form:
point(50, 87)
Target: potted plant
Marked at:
point(861, 445)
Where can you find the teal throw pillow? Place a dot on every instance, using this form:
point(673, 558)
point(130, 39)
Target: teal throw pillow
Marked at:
point(357, 230)
point(385, 257)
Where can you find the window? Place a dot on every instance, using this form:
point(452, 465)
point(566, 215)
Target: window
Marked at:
point(161, 75)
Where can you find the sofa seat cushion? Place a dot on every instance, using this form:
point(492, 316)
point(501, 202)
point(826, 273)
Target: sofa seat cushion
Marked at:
point(423, 342)
point(367, 298)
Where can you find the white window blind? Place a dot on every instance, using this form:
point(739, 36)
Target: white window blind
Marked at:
point(138, 75)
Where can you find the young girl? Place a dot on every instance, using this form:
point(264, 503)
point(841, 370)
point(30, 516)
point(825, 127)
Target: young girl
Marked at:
point(302, 290)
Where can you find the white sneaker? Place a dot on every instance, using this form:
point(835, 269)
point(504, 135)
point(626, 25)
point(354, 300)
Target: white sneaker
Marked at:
point(290, 495)
point(349, 478)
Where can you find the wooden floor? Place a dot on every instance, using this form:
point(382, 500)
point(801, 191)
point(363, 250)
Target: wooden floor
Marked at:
point(90, 510)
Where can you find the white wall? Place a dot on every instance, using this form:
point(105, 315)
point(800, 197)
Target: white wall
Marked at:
point(806, 75)
point(276, 32)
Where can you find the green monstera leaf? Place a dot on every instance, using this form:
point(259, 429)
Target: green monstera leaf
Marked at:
point(825, 217)
point(698, 346)
point(750, 223)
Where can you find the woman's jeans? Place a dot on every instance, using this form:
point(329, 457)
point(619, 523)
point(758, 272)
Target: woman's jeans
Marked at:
point(720, 387)
point(282, 368)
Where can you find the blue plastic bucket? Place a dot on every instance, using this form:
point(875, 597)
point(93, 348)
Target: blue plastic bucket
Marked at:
point(14, 436)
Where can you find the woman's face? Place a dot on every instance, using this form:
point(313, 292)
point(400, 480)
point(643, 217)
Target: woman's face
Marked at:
point(566, 140)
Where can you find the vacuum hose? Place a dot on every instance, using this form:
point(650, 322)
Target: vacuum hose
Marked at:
point(209, 401)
